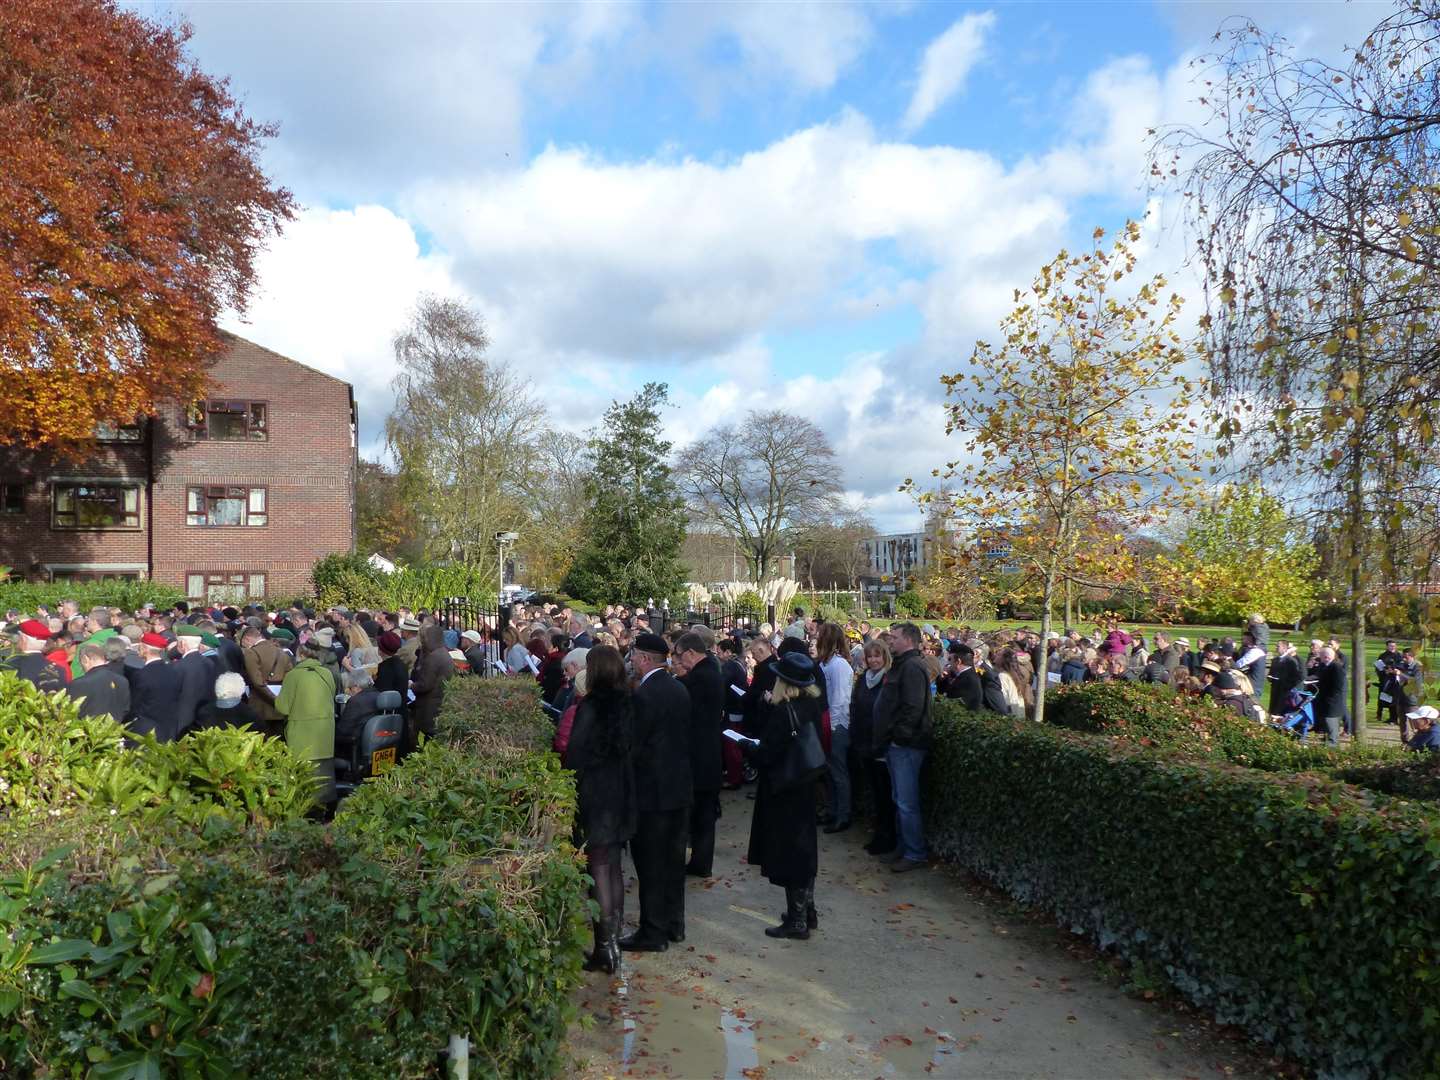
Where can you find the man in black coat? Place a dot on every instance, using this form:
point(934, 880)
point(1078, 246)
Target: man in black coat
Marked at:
point(104, 692)
point(197, 678)
point(1329, 693)
point(1285, 674)
point(30, 662)
point(662, 797)
point(705, 683)
point(154, 690)
point(992, 695)
point(961, 683)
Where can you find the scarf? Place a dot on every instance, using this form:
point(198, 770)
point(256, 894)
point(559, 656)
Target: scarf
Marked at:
point(872, 679)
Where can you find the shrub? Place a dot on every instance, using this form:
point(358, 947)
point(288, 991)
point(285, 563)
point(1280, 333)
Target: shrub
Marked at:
point(1156, 716)
point(127, 595)
point(445, 898)
point(1416, 777)
point(910, 603)
point(350, 581)
point(481, 714)
point(751, 602)
point(52, 758)
point(1292, 905)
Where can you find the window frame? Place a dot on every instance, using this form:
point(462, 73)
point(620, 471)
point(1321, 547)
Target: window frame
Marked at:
point(197, 418)
point(7, 511)
point(107, 481)
point(207, 492)
point(223, 579)
point(117, 438)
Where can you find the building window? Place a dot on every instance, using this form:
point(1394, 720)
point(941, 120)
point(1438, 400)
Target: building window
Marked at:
point(95, 505)
point(229, 420)
point(12, 499)
point(124, 433)
point(226, 506)
point(228, 587)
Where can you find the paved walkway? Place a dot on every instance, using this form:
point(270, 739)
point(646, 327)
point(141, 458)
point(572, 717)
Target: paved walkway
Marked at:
point(910, 975)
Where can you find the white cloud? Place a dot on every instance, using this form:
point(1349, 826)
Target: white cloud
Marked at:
point(947, 63)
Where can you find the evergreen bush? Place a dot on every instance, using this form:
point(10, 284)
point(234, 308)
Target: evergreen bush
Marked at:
point(1294, 906)
point(445, 898)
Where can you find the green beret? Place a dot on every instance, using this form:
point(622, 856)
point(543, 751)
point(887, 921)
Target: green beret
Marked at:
point(210, 639)
point(282, 634)
point(186, 630)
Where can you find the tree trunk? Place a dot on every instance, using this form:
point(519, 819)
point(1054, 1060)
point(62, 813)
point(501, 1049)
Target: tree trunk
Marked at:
point(1042, 677)
point(1069, 603)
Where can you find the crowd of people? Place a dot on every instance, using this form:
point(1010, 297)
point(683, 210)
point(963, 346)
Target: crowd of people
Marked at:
point(655, 725)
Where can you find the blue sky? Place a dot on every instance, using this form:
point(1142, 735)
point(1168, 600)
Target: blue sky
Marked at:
point(812, 207)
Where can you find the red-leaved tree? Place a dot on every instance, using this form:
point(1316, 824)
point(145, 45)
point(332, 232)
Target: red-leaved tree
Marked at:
point(132, 204)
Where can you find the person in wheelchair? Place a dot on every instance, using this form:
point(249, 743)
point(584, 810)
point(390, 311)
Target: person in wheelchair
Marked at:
point(362, 704)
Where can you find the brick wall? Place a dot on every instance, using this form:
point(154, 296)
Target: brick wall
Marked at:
point(306, 464)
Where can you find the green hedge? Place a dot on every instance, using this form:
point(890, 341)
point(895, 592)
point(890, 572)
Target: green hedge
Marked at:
point(1298, 908)
point(350, 581)
point(1154, 715)
point(445, 898)
point(490, 713)
point(129, 596)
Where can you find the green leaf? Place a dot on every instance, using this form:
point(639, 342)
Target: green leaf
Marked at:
point(59, 952)
point(204, 943)
point(79, 988)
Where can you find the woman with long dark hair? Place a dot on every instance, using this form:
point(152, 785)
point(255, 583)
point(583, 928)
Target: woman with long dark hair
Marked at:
point(599, 752)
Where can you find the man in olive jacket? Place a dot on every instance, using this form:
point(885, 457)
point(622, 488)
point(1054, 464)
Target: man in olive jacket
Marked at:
point(266, 665)
point(903, 722)
point(662, 797)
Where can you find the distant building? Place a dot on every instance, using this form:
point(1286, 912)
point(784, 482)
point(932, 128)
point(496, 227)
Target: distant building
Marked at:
point(228, 498)
point(898, 557)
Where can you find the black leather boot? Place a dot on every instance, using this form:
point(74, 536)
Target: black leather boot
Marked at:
point(610, 964)
point(812, 915)
point(596, 959)
point(793, 925)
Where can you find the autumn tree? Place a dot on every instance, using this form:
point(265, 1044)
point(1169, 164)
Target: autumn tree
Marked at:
point(384, 521)
point(1081, 415)
point(634, 524)
point(760, 480)
point(830, 551)
point(461, 431)
point(1244, 552)
point(1317, 225)
point(131, 211)
point(557, 503)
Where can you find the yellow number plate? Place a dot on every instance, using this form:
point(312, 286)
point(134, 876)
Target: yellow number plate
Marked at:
point(382, 760)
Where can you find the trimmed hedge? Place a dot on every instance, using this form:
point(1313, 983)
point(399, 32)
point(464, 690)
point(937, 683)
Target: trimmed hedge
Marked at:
point(484, 714)
point(1292, 905)
point(129, 596)
point(1154, 715)
point(444, 898)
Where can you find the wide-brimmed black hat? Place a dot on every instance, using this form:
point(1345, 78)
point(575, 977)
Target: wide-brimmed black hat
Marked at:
point(652, 643)
point(796, 668)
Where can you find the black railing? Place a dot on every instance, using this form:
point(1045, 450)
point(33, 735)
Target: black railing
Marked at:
point(460, 614)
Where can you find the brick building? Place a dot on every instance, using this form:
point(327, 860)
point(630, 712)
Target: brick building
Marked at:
point(232, 497)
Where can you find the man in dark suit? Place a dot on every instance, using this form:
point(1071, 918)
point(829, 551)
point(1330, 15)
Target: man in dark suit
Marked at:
point(154, 689)
point(104, 692)
point(662, 797)
point(30, 661)
point(992, 696)
point(1285, 675)
point(1329, 693)
point(705, 683)
point(197, 677)
point(959, 682)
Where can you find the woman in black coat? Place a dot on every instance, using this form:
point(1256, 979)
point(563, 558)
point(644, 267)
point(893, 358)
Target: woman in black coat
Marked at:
point(869, 757)
point(782, 832)
point(599, 752)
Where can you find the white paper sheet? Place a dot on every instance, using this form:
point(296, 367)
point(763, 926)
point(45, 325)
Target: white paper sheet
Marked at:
point(738, 689)
point(274, 688)
point(735, 736)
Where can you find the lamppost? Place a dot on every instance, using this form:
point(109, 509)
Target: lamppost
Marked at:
point(502, 541)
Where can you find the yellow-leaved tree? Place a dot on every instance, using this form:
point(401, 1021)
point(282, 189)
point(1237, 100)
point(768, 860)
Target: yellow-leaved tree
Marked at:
point(1078, 423)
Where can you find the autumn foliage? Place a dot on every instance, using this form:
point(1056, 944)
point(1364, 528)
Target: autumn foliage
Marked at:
point(132, 204)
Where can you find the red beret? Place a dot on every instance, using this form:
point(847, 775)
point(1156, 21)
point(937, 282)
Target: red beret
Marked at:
point(35, 628)
point(159, 641)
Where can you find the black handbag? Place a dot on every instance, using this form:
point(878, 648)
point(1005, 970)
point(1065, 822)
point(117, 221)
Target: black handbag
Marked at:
point(804, 758)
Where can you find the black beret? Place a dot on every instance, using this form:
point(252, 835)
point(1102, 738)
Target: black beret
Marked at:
point(652, 643)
